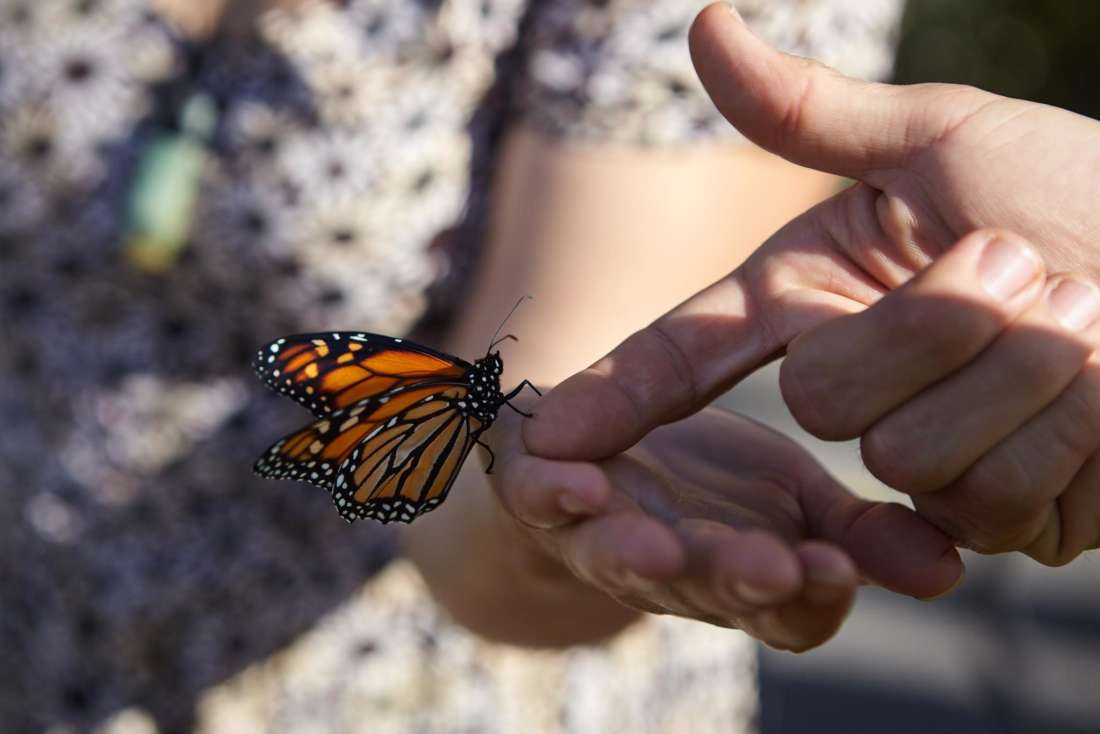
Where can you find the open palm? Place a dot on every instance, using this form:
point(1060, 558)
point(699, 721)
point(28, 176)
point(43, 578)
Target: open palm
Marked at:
point(720, 519)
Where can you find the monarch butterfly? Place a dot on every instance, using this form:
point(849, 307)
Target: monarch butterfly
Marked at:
point(395, 419)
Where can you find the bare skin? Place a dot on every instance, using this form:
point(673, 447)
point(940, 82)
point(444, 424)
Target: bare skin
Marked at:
point(963, 355)
point(760, 539)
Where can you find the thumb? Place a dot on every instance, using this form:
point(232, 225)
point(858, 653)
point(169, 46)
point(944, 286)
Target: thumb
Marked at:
point(812, 115)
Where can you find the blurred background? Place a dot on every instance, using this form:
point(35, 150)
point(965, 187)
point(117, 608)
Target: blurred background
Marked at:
point(1017, 647)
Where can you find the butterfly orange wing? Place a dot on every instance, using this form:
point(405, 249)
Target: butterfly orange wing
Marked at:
point(328, 371)
point(388, 457)
point(395, 420)
point(408, 467)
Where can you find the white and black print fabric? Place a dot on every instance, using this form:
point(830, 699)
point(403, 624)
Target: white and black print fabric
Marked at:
point(145, 576)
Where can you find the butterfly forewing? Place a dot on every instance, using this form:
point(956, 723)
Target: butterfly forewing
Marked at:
point(328, 371)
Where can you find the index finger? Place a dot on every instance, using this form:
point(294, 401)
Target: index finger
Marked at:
point(675, 366)
point(538, 492)
point(668, 369)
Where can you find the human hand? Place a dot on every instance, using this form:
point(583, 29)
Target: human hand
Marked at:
point(719, 519)
point(975, 389)
point(934, 163)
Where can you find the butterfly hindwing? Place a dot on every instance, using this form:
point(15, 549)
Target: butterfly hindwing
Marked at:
point(407, 467)
point(313, 453)
point(388, 457)
point(328, 371)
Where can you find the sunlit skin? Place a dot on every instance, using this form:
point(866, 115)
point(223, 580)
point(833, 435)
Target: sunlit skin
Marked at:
point(974, 386)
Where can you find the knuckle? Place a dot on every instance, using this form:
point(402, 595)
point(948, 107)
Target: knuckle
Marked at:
point(910, 314)
point(1017, 506)
point(1077, 406)
point(943, 516)
point(992, 476)
point(661, 375)
point(792, 119)
point(876, 448)
point(821, 394)
point(808, 397)
point(1033, 372)
point(887, 454)
point(985, 523)
point(1076, 523)
point(1044, 366)
point(680, 370)
point(815, 80)
point(945, 331)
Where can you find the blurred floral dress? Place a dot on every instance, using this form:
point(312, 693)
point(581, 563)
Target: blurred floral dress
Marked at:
point(146, 578)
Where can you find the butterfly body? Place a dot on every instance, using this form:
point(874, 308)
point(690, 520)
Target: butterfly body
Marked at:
point(394, 420)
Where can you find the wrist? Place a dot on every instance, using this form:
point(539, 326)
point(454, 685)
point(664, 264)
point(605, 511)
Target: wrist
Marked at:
point(495, 577)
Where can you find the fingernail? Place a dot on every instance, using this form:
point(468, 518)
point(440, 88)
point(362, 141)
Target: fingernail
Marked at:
point(573, 505)
point(1075, 303)
point(1007, 266)
point(753, 594)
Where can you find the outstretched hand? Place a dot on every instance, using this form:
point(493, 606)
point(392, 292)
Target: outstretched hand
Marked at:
point(974, 388)
point(719, 519)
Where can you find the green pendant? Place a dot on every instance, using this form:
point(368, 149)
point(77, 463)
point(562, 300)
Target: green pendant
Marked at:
point(161, 205)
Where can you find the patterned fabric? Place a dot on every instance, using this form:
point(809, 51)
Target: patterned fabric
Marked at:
point(619, 70)
point(142, 569)
point(386, 662)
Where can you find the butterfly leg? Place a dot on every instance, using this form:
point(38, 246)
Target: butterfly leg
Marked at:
point(515, 392)
point(519, 388)
point(492, 456)
point(524, 413)
point(527, 383)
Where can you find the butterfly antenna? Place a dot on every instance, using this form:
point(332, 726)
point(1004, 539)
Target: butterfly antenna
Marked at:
point(496, 341)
